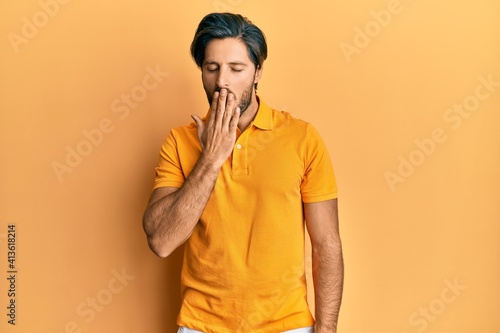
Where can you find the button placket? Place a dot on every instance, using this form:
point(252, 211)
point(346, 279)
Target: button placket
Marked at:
point(239, 161)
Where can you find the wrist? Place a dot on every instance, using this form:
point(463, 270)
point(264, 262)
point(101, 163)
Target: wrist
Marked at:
point(318, 328)
point(210, 164)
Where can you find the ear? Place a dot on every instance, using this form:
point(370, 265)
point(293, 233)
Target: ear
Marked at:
point(258, 74)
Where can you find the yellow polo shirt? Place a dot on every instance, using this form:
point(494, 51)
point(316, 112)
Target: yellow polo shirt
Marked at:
point(243, 267)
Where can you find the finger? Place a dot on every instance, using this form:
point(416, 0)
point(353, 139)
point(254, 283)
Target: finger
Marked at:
point(200, 126)
point(221, 107)
point(213, 109)
point(233, 124)
point(230, 109)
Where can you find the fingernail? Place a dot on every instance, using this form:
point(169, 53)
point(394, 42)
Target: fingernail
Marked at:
point(223, 92)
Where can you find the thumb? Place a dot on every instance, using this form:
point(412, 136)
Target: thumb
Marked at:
point(200, 126)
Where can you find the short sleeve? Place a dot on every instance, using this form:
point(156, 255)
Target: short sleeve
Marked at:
point(318, 183)
point(169, 171)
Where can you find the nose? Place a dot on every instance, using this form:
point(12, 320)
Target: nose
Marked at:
point(222, 79)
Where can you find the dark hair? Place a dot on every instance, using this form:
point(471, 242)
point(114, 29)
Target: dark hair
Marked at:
point(228, 25)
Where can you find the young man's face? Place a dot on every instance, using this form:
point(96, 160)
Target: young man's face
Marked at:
point(227, 65)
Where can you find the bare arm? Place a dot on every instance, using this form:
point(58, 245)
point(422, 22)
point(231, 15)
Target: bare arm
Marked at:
point(173, 213)
point(328, 268)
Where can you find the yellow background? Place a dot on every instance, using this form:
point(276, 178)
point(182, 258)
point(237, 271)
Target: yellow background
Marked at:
point(404, 243)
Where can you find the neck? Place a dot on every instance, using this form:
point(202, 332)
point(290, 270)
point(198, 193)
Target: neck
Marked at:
point(249, 115)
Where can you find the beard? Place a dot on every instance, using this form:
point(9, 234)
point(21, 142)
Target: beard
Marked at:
point(244, 101)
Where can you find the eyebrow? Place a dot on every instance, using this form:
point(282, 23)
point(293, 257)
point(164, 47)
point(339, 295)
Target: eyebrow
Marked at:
point(238, 63)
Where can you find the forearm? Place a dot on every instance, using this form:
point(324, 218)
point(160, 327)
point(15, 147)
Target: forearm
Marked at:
point(171, 220)
point(328, 276)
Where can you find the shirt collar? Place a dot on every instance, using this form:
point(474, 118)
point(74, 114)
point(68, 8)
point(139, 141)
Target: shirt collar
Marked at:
point(264, 117)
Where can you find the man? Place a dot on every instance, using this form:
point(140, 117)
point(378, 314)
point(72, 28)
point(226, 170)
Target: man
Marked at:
point(236, 186)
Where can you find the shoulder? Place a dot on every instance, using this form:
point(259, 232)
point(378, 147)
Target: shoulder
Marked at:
point(283, 120)
point(184, 131)
point(182, 136)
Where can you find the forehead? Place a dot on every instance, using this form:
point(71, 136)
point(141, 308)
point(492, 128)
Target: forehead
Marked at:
point(226, 50)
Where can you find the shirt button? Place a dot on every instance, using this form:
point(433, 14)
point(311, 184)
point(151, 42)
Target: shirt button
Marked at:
point(238, 146)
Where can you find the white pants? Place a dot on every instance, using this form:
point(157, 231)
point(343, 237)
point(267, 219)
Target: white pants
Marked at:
point(309, 329)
